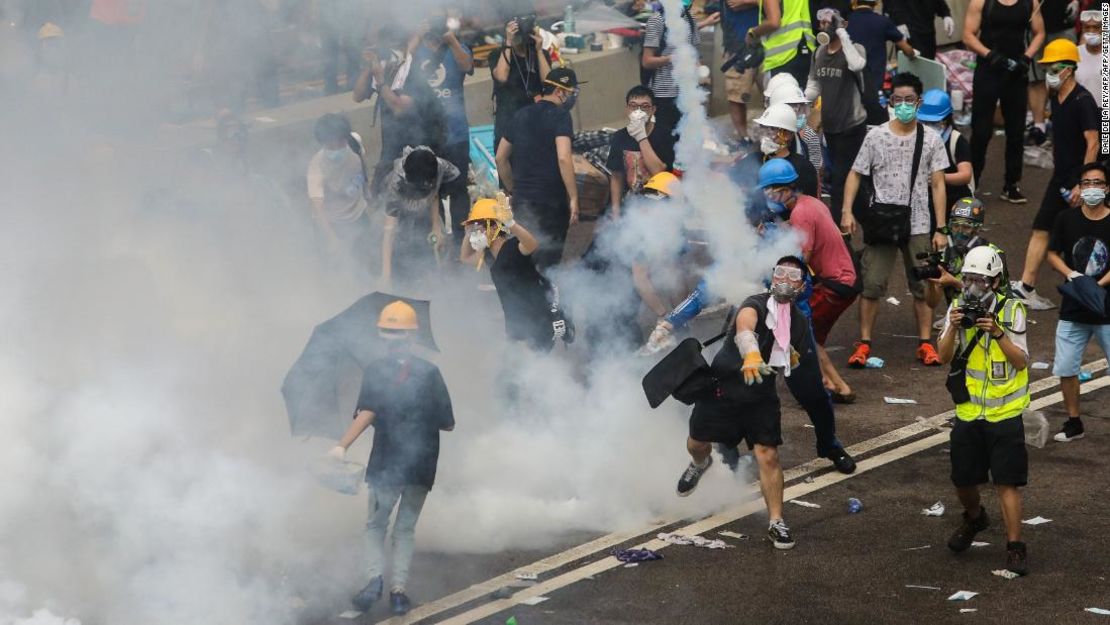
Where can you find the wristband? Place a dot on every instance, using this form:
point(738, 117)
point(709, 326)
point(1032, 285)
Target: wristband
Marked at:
point(941, 230)
point(1001, 335)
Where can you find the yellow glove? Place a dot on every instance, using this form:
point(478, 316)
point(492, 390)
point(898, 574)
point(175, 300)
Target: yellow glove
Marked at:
point(795, 358)
point(504, 211)
point(754, 368)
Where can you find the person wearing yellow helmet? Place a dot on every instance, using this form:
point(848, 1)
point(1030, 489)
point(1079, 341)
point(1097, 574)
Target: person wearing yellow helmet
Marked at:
point(405, 399)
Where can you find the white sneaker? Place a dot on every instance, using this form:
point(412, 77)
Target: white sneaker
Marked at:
point(1032, 299)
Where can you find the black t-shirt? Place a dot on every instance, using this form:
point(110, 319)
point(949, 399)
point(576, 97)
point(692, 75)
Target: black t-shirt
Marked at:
point(961, 154)
point(727, 363)
point(1077, 114)
point(518, 91)
point(918, 15)
point(625, 159)
point(1084, 244)
point(411, 405)
point(1003, 28)
point(746, 174)
point(1055, 16)
point(534, 160)
point(523, 294)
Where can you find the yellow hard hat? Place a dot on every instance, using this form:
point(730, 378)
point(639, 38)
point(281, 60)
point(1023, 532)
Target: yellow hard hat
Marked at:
point(662, 182)
point(50, 30)
point(1060, 50)
point(483, 209)
point(398, 316)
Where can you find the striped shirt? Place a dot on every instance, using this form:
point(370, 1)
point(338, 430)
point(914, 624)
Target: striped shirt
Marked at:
point(663, 84)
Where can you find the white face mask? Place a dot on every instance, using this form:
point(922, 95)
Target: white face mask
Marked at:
point(1092, 39)
point(769, 146)
point(478, 240)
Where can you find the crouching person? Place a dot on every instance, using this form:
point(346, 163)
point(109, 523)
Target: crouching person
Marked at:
point(984, 339)
point(767, 336)
point(405, 399)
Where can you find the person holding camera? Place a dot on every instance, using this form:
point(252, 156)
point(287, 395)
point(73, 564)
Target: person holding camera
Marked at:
point(965, 221)
point(519, 68)
point(984, 340)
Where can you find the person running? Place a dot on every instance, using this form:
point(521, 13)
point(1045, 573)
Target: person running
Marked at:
point(988, 436)
point(767, 336)
point(405, 399)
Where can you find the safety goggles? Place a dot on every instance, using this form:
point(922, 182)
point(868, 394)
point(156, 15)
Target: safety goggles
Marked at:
point(1092, 182)
point(787, 272)
point(1057, 68)
point(1087, 17)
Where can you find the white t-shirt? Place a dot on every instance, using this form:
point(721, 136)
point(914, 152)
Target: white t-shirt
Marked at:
point(888, 159)
point(339, 183)
point(1089, 72)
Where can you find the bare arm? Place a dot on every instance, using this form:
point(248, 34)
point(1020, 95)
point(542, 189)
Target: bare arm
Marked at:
point(646, 290)
point(972, 21)
point(322, 220)
point(851, 188)
point(504, 169)
point(651, 59)
point(746, 320)
point(398, 103)
point(528, 243)
point(940, 212)
point(501, 69)
point(566, 172)
point(772, 19)
point(652, 161)
point(362, 90)
point(362, 420)
point(1037, 25)
point(1091, 136)
point(961, 176)
point(467, 254)
point(616, 190)
point(463, 60)
point(1057, 262)
point(545, 66)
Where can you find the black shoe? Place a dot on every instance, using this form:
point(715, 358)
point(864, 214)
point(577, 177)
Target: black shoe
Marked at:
point(780, 536)
point(689, 480)
point(399, 603)
point(842, 461)
point(1016, 559)
point(1012, 194)
point(1036, 136)
point(1072, 430)
point(368, 596)
point(965, 534)
point(730, 456)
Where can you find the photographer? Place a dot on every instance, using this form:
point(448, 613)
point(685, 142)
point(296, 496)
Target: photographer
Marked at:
point(965, 221)
point(984, 340)
point(518, 69)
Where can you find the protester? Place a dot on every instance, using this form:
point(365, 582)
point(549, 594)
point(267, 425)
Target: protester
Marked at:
point(1079, 247)
point(808, 140)
point(336, 182)
point(1089, 72)
point(658, 71)
point(773, 137)
point(341, 23)
point(519, 68)
point(873, 30)
point(768, 335)
point(988, 436)
point(638, 151)
point(837, 78)
point(405, 399)
point(737, 18)
point(936, 113)
point(826, 256)
point(1004, 37)
point(534, 163)
point(1075, 124)
point(964, 232)
point(904, 160)
point(410, 113)
point(446, 63)
point(1059, 23)
point(413, 237)
point(788, 40)
point(916, 19)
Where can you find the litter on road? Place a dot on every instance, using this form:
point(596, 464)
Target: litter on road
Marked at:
point(979, 543)
point(922, 587)
point(350, 614)
point(962, 595)
point(697, 541)
point(854, 505)
point(968, 610)
point(893, 300)
point(804, 504)
point(1039, 365)
point(1085, 376)
point(895, 400)
point(728, 534)
point(528, 577)
point(1037, 520)
point(636, 555)
point(1102, 611)
point(874, 362)
point(1005, 574)
point(936, 509)
point(534, 600)
point(917, 548)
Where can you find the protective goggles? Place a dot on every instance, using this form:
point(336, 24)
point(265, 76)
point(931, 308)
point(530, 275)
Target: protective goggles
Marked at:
point(787, 272)
point(962, 226)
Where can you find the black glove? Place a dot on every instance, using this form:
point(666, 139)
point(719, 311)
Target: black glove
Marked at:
point(1022, 66)
point(998, 61)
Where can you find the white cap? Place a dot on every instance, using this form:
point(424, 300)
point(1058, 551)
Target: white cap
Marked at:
point(779, 116)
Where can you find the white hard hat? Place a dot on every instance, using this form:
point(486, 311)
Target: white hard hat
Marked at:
point(779, 79)
point(779, 116)
point(983, 261)
point(787, 94)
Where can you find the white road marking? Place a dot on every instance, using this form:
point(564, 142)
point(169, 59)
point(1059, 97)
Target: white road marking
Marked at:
point(604, 543)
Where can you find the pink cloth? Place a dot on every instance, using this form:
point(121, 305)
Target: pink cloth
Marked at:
point(822, 245)
point(782, 327)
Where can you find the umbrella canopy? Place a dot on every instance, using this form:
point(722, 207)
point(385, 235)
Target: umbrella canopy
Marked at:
point(1087, 292)
point(322, 387)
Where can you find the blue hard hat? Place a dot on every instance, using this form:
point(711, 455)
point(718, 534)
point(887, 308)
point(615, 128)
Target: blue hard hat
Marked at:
point(776, 171)
point(936, 106)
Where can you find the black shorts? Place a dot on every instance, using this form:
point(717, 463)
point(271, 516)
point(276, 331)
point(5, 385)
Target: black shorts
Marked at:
point(728, 423)
point(1052, 204)
point(979, 447)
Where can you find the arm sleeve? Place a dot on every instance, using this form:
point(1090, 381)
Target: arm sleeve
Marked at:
point(564, 126)
point(315, 179)
point(447, 170)
point(1016, 329)
point(962, 152)
point(1088, 114)
point(812, 142)
point(942, 8)
point(853, 53)
point(939, 161)
point(653, 32)
point(690, 307)
point(891, 32)
point(813, 86)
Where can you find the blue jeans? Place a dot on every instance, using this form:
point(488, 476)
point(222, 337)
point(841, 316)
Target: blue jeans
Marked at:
point(1071, 340)
point(382, 501)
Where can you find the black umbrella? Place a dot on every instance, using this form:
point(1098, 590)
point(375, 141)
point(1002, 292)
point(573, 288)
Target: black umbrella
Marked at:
point(1086, 291)
point(322, 387)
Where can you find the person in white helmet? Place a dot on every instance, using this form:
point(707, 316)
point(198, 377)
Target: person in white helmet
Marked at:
point(984, 339)
point(808, 140)
point(773, 135)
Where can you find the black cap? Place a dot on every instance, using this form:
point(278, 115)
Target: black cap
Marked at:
point(563, 77)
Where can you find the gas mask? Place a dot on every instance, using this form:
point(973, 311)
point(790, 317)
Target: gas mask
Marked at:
point(976, 288)
point(783, 287)
point(784, 292)
point(823, 38)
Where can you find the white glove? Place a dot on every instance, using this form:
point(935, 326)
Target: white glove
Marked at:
point(637, 128)
point(1073, 9)
point(660, 339)
point(845, 38)
point(905, 30)
point(337, 453)
point(916, 53)
point(949, 26)
point(1073, 275)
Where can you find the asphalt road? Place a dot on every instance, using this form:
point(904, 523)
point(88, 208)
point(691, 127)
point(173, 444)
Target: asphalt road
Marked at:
point(854, 568)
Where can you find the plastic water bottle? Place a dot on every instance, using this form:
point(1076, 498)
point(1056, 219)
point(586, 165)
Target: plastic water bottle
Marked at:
point(854, 505)
point(568, 20)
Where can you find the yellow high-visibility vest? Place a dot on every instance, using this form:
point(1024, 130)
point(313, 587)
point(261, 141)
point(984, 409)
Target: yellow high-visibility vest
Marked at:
point(998, 391)
point(782, 45)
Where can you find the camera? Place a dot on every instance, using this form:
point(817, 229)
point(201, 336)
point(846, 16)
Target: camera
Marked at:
point(934, 262)
point(526, 25)
point(746, 57)
point(973, 312)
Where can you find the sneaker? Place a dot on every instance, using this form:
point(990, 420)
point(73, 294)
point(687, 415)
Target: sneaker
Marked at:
point(962, 538)
point(1032, 299)
point(1012, 194)
point(690, 478)
point(1036, 137)
point(730, 456)
point(399, 603)
point(928, 355)
point(1072, 430)
point(779, 534)
point(368, 596)
point(1016, 558)
point(858, 359)
point(842, 460)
